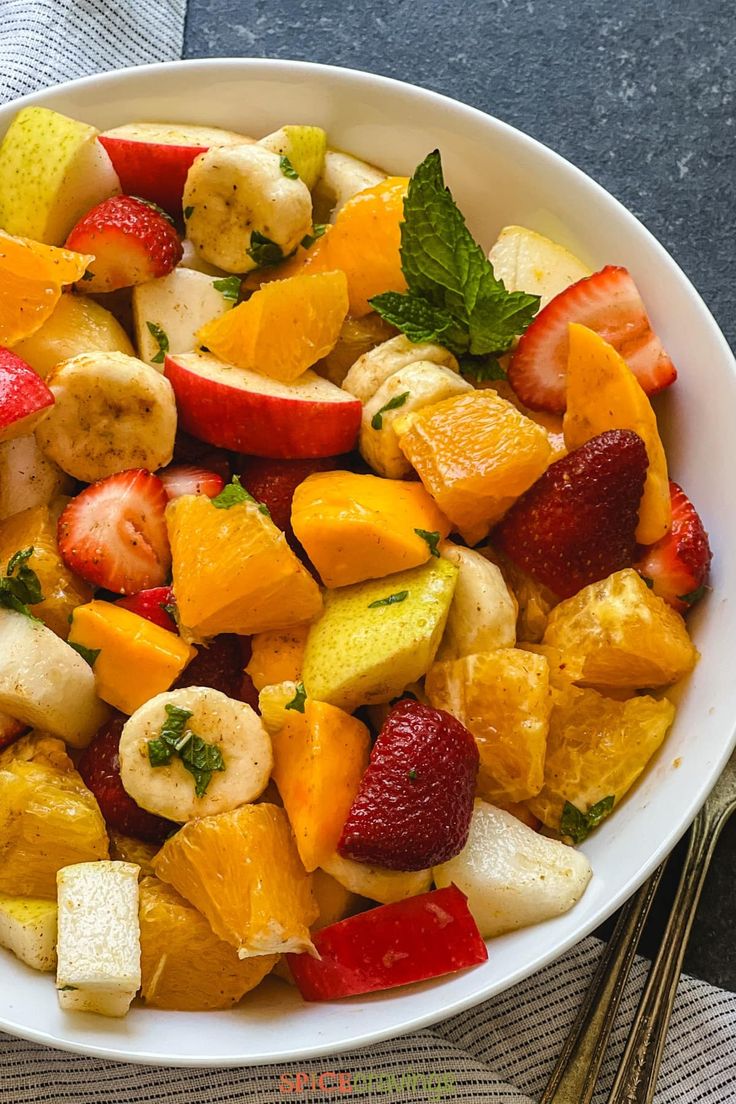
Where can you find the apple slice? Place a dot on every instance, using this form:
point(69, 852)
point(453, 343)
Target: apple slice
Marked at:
point(153, 159)
point(168, 312)
point(27, 477)
point(240, 410)
point(52, 170)
point(24, 397)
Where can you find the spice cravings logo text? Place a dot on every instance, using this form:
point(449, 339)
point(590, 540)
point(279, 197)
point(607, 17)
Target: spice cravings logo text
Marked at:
point(346, 1083)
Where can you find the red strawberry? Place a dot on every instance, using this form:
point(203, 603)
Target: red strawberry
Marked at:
point(100, 769)
point(678, 563)
point(415, 801)
point(607, 302)
point(114, 535)
point(132, 242)
point(576, 524)
point(274, 482)
point(219, 664)
point(10, 730)
point(188, 450)
point(187, 479)
point(152, 604)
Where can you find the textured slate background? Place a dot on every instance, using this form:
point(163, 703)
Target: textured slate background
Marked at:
point(640, 95)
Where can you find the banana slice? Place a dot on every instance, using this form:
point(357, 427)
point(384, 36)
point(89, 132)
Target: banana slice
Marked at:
point(342, 177)
point(112, 412)
point(228, 725)
point(413, 387)
point(45, 683)
point(373, 368)
point(235, 192)
point(483, 613)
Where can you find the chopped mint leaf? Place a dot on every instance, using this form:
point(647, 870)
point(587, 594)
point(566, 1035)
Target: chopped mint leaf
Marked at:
point(155, 207)
point(87, 654)
point(188, 212)
point(234, 494)
point(453, 296)
point(317, 231)
point(197, 756)
point(412, 775)
point(287, 168)
point(578, 825)
point(67, 988)
point(693, 596)
point(264, 252)
point(392, 599)
point(161, 339)
point(20, 586)
point(432, 540)
point(392, 404)
point(87, 276)
point(297, 702)
point(228, 286)
point(481, 368)
point(173, 612)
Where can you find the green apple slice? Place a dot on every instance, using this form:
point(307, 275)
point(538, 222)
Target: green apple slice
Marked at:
point(305, 148)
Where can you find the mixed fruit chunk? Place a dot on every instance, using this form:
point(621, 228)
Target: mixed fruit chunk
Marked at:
point(344, 556)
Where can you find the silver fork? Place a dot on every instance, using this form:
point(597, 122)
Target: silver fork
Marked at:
point(575, 1075)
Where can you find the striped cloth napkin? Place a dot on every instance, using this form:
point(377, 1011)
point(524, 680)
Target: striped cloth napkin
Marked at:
point(498, 1053)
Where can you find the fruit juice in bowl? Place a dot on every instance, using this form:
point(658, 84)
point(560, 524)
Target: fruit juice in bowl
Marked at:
point(349, 581)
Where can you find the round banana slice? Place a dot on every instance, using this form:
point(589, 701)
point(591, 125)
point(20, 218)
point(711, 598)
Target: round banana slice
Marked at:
point(232, 735)
point(111, 412)
point(241, 209)
point(373, 368)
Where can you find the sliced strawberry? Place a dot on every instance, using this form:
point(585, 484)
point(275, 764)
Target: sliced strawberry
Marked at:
point(273, 482)
point(576, 524)
point(24, 397)
point(677, 565)
point(607, 302)
point(114, 535)
point(187, 479)
point(153, 604)
point(100, 769)
point(132, 242)
point(415, 801)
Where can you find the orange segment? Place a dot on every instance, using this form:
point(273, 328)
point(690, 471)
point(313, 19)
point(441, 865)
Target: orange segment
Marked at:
point(284, 328)
point(32, 276)
point(277, 656)
point(475, 454)
point(243, 872)
point(184, 966)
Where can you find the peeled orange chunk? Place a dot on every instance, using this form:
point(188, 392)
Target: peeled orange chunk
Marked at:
point(621, 634)
point(503, 698)
point(597, 747)
point(32, 276)
point(277, 656)
point(185, 967)
point(242, 871)
point(284, 328)
point(475, 454)
point(603, 393)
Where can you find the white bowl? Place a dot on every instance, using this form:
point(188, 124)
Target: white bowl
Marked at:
point(498, 176)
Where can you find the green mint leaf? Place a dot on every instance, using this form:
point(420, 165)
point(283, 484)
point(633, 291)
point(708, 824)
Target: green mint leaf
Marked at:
point(234, 494)
point(162, 341)
point(287, 168)
point(392, 404)
point(481, 369)
point(20, 586)
point(390, 601)
point(264, 252)
point(412, 775)
point(297, 702)
point(197, 756)
point(432, 540)
point(228, 286)
point(171, 609)
point(159, 753)
point(317, 231)
point(188, 212)
point(578, 825)
point(87, 654)
point(419, 319)
point(693, 596)
point(498, 316)
point(155, 207)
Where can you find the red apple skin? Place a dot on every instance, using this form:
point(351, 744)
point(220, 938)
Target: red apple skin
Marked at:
point(260, 424)
point(24, 397)
point(152, 170)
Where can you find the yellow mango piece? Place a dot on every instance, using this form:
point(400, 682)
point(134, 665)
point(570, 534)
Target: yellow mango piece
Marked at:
point(334, 901)
point(603, 393)
point(77, 325)
point(234, 572)
point(136, 660)
point(320, 756)
point(62, 591)
point(277, 655)
point(356, 527)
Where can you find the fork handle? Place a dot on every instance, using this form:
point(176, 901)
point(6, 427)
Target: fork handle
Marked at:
point(636, 1078)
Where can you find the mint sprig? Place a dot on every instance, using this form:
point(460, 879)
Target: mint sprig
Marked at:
point(453, 296)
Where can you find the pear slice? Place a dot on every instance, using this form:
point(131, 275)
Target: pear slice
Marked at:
point(28, 929)
point(527, 261)
point(52, 171)
point(305, 148)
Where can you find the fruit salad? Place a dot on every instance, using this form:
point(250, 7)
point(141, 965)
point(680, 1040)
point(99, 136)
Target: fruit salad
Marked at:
point(342, 573)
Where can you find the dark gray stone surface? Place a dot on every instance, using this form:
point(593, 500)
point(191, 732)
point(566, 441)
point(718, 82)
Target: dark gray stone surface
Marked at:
point(639, 95)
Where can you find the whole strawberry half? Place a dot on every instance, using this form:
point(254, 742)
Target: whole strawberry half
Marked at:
point(113, 534)
point(273, 482)
point(190, 479)
point(153, 604)
point(132, 242)
point(607, 302)
point(415, 801)
point(577, 523)
point(100, 770)
point(678, 564)
point(219, 665)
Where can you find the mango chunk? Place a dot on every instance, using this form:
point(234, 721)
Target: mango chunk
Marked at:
point(136, 660)
point(277, 656)
point(374, 638)
point(320, 756)
point(356, 527)
point(234, 572)
point(603, 393)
